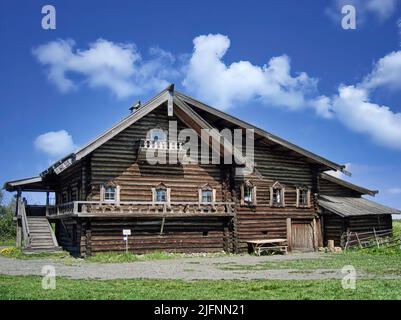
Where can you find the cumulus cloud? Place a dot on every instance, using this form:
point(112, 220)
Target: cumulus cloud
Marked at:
point(353, 108)
point(55, 143)
point(105, 64)
point(209, 78)
point(121, 69)
point(381, 9)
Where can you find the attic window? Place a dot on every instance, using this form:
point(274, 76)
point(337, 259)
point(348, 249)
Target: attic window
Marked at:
point(277, 192)
point(157, 135)
point(248, 194)
point(110, 194)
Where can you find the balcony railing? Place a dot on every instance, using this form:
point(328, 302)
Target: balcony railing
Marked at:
point(161, 144)
point(138, 208)
point(151, 146)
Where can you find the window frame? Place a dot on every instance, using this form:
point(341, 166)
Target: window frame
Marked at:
point(163, 187)
point(206, 188)
point(103, 192)
point(160, 132)
point(248, 185)
point(300, 190)
point(277, 187)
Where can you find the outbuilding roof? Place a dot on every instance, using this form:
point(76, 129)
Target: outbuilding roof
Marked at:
point(352, 206)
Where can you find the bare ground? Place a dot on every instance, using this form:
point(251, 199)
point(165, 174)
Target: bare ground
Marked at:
point(181, 268)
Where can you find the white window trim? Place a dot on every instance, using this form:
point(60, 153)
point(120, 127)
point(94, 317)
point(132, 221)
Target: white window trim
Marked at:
point(103, 193)
point(254, 194)
point(308, 204)
point(168, 193)
point(206, 187)
point(277, 186)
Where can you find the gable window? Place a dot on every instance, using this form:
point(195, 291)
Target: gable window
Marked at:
point(110, 192)
point(161, 193)
point(248, 194)
point(303, 197)
point(157, 135)
point(277, 192)
point(207, 194)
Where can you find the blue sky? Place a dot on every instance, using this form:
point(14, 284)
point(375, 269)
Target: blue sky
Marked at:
point(286, 66)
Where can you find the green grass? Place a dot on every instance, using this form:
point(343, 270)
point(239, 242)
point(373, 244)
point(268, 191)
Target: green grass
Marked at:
point(116, 257)
point(375, 261)
point(7, 242)
point(29, 287)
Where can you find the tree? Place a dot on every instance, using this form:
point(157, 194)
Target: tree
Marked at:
point(7, 224)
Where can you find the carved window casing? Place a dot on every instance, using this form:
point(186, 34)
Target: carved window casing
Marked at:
point(206, 194)
point(303, 197)
point(110, 192)
point(248, 194)
point(277, 195)
point(161, 193)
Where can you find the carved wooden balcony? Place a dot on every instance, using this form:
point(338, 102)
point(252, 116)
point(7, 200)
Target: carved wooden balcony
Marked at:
point(141, 208)
point(158, 148)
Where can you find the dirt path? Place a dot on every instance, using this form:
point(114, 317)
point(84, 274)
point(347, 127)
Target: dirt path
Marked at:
point(182, 268)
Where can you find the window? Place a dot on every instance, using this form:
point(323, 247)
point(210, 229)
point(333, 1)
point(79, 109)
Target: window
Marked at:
point(110, 194)
point(277, 193)
point(248, 194)
point(207, 196)
point(303, 197)
point(157, 135)
point(161, 195)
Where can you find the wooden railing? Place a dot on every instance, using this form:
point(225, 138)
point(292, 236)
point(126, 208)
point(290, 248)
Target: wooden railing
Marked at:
point(161, 144)
point(141, 207)
point(26, 240)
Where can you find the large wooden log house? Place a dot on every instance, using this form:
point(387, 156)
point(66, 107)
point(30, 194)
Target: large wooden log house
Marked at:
point(107, 186)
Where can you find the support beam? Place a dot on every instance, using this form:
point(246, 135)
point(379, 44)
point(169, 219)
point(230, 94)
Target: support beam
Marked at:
point(289, 234)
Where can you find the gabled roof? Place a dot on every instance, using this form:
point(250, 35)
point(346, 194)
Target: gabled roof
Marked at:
point(351, 206)
point(261, 132)
point(347, 184)
point(185, 103)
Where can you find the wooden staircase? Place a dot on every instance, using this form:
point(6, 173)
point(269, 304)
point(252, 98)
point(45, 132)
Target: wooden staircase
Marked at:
point(37, 233)
point(41, 236)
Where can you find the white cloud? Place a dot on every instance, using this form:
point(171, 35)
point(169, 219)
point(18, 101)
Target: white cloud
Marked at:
point(353, 108)
point(381, 9)
point(394, 191)
point(55, 143)
point(105, 64)
point(386, 72)
point(209, 78)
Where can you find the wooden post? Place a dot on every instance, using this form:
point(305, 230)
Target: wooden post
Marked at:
point(377, 241)
point(289, 235)
point(330, 245)
point(314, 227)
point(88, 241)
point(18, 242)
point(359, 241)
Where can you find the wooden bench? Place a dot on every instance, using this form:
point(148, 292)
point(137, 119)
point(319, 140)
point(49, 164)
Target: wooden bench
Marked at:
point(267, 245)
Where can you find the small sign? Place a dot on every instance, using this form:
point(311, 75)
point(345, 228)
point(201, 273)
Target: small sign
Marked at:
point(126, 232)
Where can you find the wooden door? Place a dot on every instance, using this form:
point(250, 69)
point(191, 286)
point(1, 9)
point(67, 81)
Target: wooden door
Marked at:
point(302, 236)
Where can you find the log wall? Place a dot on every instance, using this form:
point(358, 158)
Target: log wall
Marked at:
point(192, 234)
